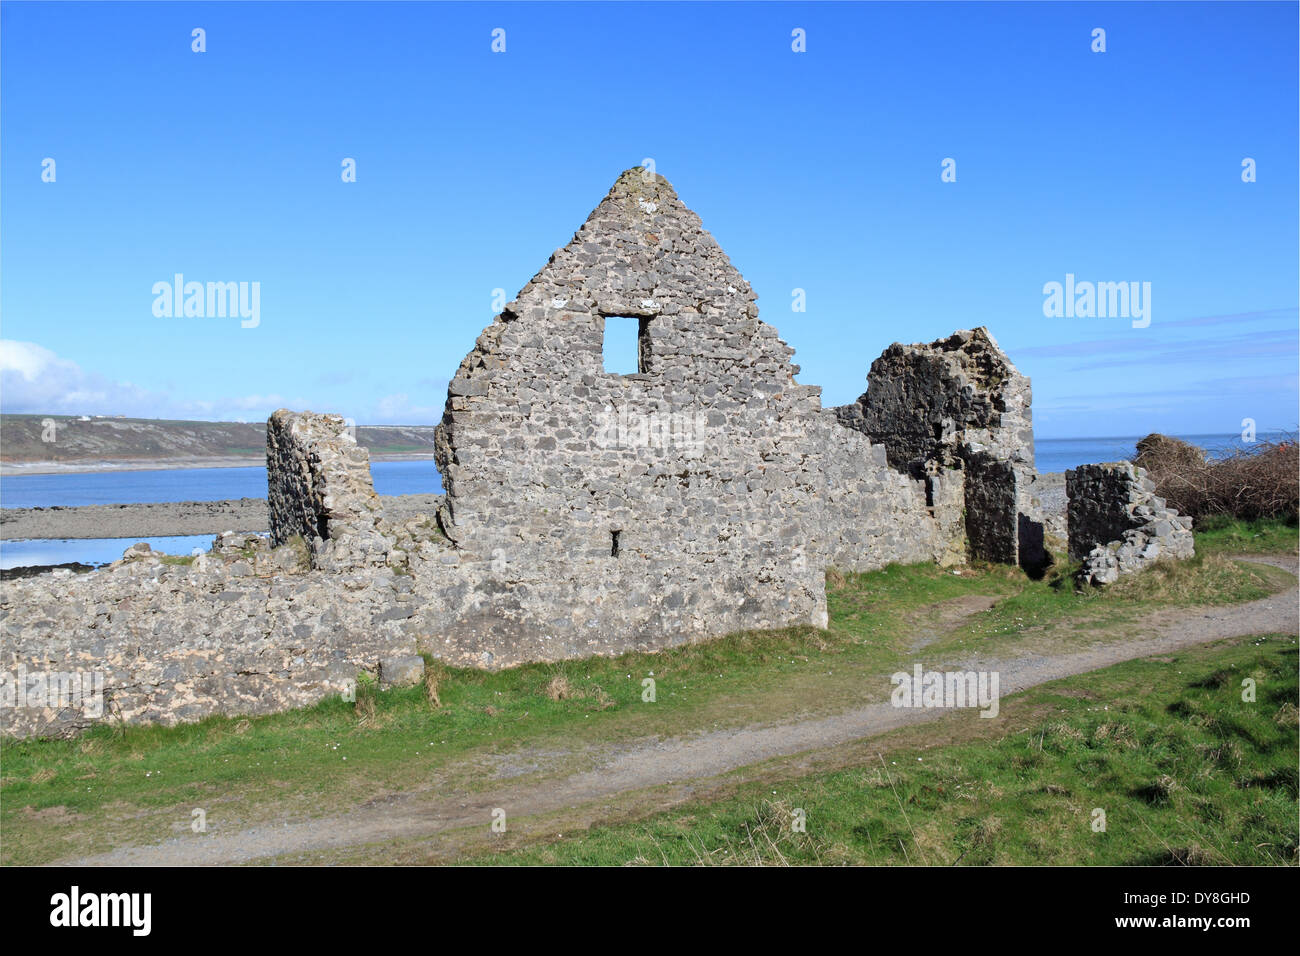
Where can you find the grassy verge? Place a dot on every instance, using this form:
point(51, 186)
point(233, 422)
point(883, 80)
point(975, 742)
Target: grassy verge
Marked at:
point(119, 785)
point(1222, 535)
point(1164, 754)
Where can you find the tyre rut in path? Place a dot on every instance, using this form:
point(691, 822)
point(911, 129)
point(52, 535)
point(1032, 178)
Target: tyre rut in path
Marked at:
point(654, 763)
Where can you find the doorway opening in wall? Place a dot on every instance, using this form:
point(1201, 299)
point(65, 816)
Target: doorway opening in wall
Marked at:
point(626, 346)
point(613, 543)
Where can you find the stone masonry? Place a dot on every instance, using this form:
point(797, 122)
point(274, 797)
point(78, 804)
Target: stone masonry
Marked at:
point(959, 408)
point(586, 512)
point(592, 528)
point(243, 629)
point(1118, 525)
point(320, 489)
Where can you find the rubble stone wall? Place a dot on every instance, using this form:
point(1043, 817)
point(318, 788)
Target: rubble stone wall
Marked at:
point(319, 488)
point(243, 629)
point(957, 406)
point(1118, 525)
point(669, 488)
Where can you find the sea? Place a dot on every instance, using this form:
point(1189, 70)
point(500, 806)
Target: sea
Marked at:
point(170, 484)
point(390, 477)
point(189, 484)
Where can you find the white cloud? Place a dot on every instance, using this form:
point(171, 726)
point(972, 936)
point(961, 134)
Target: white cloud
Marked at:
point(35, 380)
point(28, 359)
point(400, 410)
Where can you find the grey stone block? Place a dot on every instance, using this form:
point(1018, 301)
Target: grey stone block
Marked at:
point(401, 671)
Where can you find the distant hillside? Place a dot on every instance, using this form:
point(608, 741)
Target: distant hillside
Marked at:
point(112, 439)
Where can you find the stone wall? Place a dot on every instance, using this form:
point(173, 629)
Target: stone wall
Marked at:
point(243, 629)
point(958, 407)
point(932, 405)
point(730, 524)
point(547, 473)
point(1118, 525)
point(319, 488)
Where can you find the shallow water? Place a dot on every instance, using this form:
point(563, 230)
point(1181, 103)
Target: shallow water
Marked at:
point(189, 484)
point(390, 477)
point(14, 554)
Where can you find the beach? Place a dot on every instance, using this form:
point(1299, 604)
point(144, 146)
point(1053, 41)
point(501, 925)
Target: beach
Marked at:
point(11, 469)
point(161, 519)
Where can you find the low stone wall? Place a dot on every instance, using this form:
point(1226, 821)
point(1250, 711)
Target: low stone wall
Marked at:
point(1003, 521)
point(243, 629)
point(1117, 524)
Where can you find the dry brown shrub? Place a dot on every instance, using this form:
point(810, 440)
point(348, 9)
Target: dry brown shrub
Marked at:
point(559, 688)
point(1260, 482)
point(364, 705)
point(433, 678)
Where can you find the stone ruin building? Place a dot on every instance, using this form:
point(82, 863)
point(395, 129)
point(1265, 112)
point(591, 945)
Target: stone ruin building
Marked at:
point(585, 512)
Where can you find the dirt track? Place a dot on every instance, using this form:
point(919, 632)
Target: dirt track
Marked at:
point(431, 813)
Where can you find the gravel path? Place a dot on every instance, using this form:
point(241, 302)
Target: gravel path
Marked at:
point(653, 762)
point(1050, 491)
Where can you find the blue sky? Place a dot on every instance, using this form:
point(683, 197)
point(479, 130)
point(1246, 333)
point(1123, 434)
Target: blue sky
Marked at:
point(817, 170)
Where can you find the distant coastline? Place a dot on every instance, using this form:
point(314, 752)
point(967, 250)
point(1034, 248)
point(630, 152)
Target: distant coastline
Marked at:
point(32, 445)
point(91, 466)
point(165, 519)
point(67, 444)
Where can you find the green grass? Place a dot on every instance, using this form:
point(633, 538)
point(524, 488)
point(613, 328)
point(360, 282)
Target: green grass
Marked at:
point(121, 783)
point(1054, 612)
point(1223, 535)
point(1184, 770)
